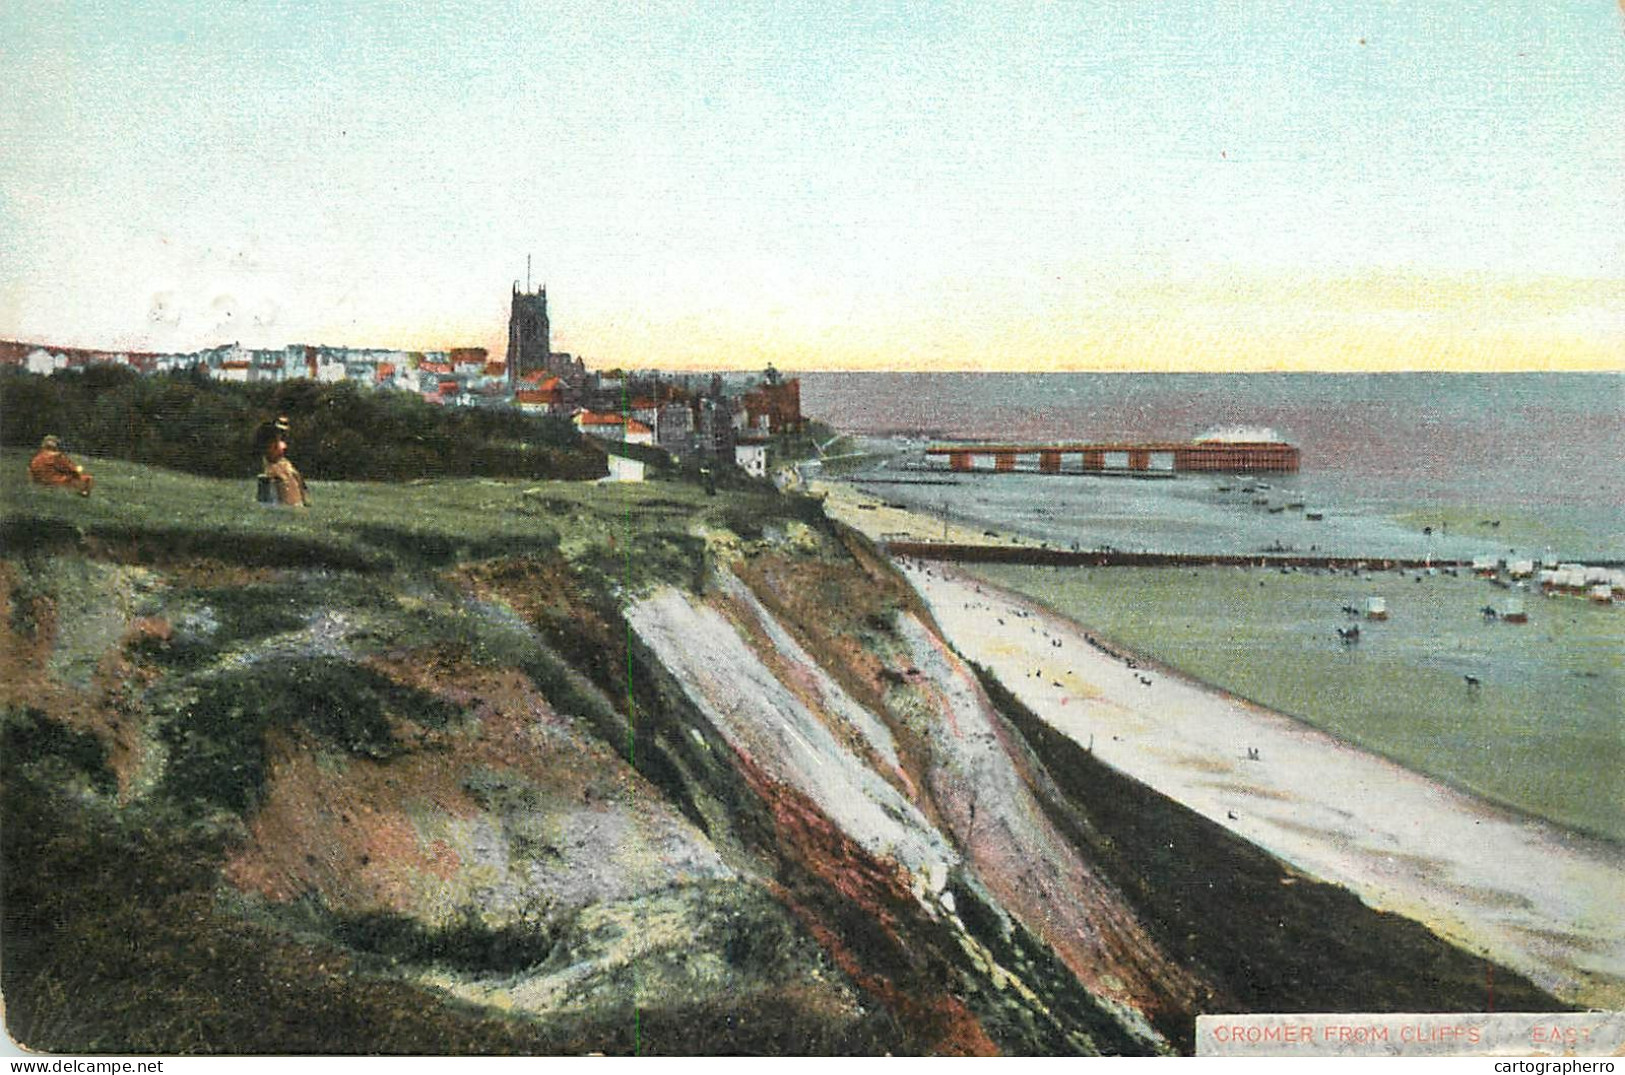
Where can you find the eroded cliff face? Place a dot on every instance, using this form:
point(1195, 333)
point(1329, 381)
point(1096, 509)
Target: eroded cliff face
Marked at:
point(785, 715)
point(509, 785)
point(518, 804)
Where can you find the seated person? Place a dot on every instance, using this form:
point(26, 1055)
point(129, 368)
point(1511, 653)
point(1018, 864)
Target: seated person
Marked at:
point(285, 478)
point(53, 467)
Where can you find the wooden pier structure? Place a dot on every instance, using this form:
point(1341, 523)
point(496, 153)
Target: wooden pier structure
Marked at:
point(1234, 457)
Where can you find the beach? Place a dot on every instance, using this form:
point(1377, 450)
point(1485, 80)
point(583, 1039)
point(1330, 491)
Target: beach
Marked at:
point(1532, 895)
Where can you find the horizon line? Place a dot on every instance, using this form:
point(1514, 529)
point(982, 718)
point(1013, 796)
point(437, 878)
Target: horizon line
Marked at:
point(739, 367)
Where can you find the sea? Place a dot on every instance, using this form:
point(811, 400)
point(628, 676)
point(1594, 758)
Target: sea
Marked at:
point(1411, 466)
point(1407, 464)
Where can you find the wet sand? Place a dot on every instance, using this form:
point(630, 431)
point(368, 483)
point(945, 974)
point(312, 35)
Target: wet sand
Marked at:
point(1526, 893)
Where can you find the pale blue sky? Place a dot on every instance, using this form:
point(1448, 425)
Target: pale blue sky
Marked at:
point(824, 184)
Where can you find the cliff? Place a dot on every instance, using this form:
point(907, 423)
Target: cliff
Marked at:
point(489, 766)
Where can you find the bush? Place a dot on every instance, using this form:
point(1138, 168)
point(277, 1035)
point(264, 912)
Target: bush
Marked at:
point(217, 745)
point(29, 737)
point(466, 945)
point(338, 431)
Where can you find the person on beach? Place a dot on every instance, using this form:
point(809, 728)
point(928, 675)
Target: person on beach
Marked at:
point(51, 466)
point(287, 484)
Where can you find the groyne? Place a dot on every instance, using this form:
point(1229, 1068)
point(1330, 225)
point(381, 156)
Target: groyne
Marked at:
point(1047, 557)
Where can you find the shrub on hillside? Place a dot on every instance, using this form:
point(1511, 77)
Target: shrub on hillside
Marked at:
point(339, 431)
point(217, 744)
point(466, 944)
point(29, 737)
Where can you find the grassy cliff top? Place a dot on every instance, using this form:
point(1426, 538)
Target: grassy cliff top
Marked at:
point(633, 533)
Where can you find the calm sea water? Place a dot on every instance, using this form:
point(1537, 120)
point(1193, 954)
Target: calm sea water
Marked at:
point(1546, 449)
point(1382, 457)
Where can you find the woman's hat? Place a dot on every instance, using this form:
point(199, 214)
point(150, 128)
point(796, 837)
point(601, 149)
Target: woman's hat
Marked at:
point(282, 423)
point(50, 442)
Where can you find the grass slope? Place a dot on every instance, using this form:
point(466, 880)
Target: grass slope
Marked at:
point(634, 533)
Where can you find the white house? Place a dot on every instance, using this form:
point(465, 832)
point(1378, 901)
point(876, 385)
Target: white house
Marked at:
point(603, 426)
point(751, 457)
point(639, 433)
point(44, 362)
point(231, 364)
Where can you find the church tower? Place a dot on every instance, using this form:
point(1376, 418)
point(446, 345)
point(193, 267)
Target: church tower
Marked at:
point(529, 339)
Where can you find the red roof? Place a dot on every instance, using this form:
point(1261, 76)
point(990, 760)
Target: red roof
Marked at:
point(588, 418)
point(532, 395)
point(435, 367)
point(635, 426)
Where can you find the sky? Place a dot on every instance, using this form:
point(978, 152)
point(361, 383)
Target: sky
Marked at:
point(1218, 185)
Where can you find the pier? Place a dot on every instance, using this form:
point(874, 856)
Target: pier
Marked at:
point(1203, 456)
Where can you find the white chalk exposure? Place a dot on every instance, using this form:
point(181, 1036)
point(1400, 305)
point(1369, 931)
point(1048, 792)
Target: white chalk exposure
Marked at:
point(761, 717)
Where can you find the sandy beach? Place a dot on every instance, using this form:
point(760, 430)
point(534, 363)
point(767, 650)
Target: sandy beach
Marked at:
point(1526, 893)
